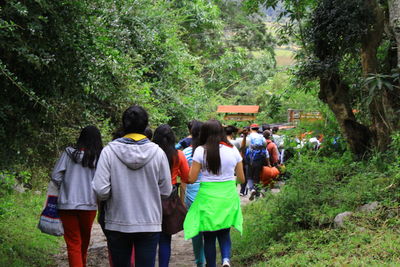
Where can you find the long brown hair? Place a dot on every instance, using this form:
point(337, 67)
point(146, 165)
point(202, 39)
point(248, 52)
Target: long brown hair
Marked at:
point(165, 138)
point(211, 135)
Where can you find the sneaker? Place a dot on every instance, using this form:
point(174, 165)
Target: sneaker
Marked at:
point(253, 193)
point(226, 263)
point(241, 194)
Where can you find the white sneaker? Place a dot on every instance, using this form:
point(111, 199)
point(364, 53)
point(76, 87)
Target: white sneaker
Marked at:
point(226, 263)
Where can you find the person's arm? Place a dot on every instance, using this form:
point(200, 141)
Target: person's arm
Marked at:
point(183, 173)
point(164, 176)
point(101, 183)
point(194, 172)
point(267, 158)
point(57, 176)
point(239, 172)
point(183, 191)
point(276, 151)
point(183, 167)
point(243, 144)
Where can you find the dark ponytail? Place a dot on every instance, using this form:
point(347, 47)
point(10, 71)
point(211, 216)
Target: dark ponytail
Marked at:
point(211, 135)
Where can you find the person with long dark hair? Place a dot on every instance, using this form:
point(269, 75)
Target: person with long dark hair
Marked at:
point(165, 138)
point(216, 207)
point(77, 206)
point(192, 190)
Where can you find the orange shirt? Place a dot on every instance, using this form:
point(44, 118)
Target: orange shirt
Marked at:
point(273, 152)
point(180, 168)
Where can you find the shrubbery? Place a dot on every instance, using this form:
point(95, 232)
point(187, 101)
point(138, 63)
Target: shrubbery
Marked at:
point(319, 188)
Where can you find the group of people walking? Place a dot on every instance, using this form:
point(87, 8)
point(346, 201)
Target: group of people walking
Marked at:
point(127, 180)
point(260, 147)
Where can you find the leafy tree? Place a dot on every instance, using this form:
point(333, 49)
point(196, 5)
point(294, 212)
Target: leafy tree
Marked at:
point(344, 45)
point(66, 64)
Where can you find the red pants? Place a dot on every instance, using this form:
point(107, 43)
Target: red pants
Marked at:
point(77, 227)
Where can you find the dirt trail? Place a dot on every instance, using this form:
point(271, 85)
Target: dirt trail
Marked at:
point(181, 254)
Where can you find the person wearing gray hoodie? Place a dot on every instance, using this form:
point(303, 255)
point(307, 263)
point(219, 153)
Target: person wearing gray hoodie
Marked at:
point(132, 176)
point(73, 174)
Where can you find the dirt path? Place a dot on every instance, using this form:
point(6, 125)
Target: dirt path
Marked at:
point(181, 254)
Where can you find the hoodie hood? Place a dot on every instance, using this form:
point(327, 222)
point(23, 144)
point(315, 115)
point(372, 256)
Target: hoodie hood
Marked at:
point(70, 152)
point(134, 155)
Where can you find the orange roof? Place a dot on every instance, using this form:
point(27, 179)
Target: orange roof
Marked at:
point(238, 109)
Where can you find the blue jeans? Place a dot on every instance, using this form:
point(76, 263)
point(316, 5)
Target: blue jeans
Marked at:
point(121, 244)
point(164, 249)
point(197, 242)
point(253, 174)
point(224, 240)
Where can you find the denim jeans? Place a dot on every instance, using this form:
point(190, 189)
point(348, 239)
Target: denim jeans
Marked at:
point(243, 187)
point(224, 240)
point(197, 242)
point(253, 174)
point(164, 249)
point(121, 244)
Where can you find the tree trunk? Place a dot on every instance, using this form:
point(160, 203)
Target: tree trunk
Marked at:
point(335, 93)
point(381, 110)
point(394, 22)
point(372, 40)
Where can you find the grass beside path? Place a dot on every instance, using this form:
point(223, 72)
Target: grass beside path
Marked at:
point(363, 242)
point(21, 243)
point(295, 227)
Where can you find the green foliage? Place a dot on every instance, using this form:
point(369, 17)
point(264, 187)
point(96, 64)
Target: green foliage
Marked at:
point(7, 182)
point(281, 93)
point(21, 243)
point(377, 84)
point(81, 63)
point(341, 42)
point(318, 189)
point(248, 31)
point(364, 242)
point(66, 64)
point(333, 35)
point(203, 27)
point(236, 75)
point(9, 179)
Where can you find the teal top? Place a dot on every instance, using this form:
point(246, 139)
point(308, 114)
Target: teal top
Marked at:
point(191, 189)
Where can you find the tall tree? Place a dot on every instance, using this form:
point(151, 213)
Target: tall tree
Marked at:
point(345, 46)
point(394, 17)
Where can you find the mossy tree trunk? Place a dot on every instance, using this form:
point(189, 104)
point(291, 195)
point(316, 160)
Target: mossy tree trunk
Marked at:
point(334, 92)
point(380, 108)
point(394, 22)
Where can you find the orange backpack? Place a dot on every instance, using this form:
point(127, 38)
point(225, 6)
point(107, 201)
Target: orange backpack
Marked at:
point(268, 174)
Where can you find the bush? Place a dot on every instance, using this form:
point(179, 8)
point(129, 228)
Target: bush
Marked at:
point(319, 189)
point(7, 182)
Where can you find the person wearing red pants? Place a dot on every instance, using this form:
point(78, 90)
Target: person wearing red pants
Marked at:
point(77, 202)
point(77, 227)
